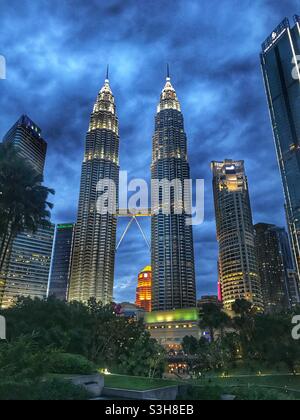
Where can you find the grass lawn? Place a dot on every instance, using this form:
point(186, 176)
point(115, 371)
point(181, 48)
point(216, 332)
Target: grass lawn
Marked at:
point(282, 382)
point(135, 383)
point(144, 384)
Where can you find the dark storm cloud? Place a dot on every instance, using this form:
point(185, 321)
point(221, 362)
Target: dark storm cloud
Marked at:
point(57, 53)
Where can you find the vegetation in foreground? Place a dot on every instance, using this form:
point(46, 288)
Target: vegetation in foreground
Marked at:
point(250, 340)
point(136, 383)
point(270, 387)
point(52, 337)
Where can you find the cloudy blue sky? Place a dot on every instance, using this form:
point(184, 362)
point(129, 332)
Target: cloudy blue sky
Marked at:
point(56, 54)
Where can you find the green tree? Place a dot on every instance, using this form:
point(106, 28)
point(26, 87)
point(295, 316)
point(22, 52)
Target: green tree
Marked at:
point(214, 319)
point(143, 357)
point(190, 345)
point(23, 199)
point(92, 330)
point(244, 323)
point(23, 359)
point(273, 343)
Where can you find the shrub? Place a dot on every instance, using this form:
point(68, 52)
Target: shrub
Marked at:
point(50, 390)
point(65, 363)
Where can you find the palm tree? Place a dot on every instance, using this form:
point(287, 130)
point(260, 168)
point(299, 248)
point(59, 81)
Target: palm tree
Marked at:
point(214, 318)
point(23, 199)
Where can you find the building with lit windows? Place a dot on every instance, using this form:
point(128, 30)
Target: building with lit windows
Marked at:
point(239, 278)
point(144, 290)
point(28, 269)
point(281, 72)
point(208, 300)
point(61, 261)
point(292, 286)
point(130, 311)
point(92, 272)
point(275, 265)
point(26, 136)
point(173, 267)
point(170, 327)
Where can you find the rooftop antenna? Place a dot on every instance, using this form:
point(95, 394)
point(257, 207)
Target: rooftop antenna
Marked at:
point(107, 72)
point(168, 71)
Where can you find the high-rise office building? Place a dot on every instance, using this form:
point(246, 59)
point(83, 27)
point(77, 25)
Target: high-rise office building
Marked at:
point(144, 289)
point(61, 261)
point(27, 138)
point(92, 273)
point(238, 268)
point(27, 272)
point(278, 287)
point(173, 267)
point(291, 275)
point(279, 58)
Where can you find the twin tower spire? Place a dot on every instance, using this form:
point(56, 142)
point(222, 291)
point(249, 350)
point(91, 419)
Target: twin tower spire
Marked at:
point(168, 100)
point(93, 267)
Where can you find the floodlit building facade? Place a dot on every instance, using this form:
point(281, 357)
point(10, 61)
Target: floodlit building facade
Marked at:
point(92, 273)
point(170, 327)
point(239, 278)
point(144, 289)
point(173, 266)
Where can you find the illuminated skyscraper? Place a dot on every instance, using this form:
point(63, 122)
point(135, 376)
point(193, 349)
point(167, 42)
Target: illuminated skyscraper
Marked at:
point(280, 58)
point(26, 271)
point(144, 289)
point(275, 265)
point(92, 273)
point(27, 138)
point(61, 262)
point(172, 237)
point(237, 259)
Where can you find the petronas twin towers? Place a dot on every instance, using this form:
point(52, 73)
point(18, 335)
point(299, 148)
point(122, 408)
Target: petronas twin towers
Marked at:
point(92, 274)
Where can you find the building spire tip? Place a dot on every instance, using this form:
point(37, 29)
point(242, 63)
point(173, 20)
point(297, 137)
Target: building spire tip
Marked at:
point(168, 71)
point(107, 72)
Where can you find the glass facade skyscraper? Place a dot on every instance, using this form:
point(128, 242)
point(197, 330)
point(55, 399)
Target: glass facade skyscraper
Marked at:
point(291, 275)
point(61, 261)
point(279, 58)
point(27, 138)
point(275, 265)
point(173, 267)
point(92, 273)
point(239, 278)
point(26, 271)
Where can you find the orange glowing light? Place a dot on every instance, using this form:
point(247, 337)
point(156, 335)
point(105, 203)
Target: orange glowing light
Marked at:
point(144, 289)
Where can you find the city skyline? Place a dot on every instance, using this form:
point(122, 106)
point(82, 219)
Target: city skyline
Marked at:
point(202, 93)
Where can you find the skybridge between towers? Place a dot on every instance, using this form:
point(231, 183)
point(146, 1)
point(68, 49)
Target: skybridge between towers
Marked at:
point(133, 215)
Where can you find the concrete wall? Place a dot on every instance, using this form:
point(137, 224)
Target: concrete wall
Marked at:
point(94, 384)
point(162, 394)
